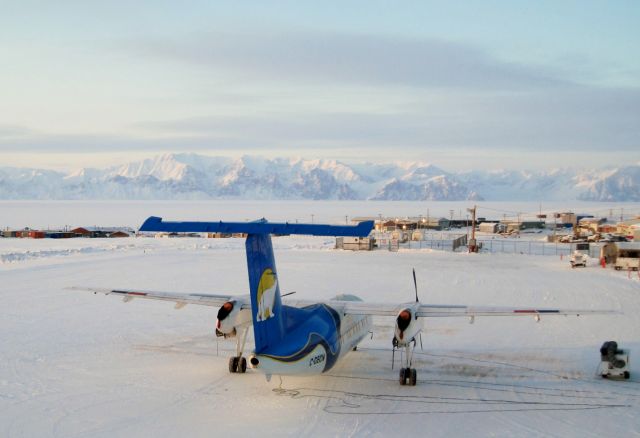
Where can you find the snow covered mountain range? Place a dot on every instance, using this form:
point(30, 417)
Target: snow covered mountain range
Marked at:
point(192, 176)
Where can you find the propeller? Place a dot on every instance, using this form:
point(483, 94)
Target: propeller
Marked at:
point(415, 284)
point(393, 351)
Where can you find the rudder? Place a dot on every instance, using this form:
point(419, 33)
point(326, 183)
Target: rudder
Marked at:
point(266, 304)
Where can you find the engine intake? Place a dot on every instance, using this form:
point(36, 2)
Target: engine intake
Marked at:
point(402, 321)
point(225, 310)
point(227, 319)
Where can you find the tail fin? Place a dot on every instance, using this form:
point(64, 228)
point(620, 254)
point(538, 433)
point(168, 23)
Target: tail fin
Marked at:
point(266, 305)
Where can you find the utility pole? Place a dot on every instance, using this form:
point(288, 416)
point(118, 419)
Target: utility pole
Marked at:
point(473, 247)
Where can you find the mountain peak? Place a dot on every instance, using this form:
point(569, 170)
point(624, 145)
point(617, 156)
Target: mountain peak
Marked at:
point(194, 176)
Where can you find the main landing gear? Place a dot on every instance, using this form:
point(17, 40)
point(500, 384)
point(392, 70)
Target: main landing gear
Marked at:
point(408, 375)
point(238, 363)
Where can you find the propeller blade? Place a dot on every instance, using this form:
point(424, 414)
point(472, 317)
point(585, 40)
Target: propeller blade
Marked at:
point(393, 356)
point(415, 284)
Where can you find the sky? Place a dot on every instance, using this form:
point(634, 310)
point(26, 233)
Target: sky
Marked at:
point(463, 85)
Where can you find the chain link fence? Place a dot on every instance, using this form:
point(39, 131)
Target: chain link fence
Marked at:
point(504, 246)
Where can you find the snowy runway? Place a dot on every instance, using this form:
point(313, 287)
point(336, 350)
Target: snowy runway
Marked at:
point(75, 364)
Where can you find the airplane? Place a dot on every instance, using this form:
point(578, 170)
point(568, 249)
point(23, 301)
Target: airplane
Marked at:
point(305, 337)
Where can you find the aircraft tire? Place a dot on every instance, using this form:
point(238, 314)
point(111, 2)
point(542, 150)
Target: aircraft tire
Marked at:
point(242, 365)
point(413, 377)
point(233, 364)
point(403, 376)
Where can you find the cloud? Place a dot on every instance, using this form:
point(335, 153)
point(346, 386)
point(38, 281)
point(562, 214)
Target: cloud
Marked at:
point(583, 121)
point(360, 94)
point(580, 119)
point(100, 143)
point(461, 96)
point(14, 131)
point(317, 57)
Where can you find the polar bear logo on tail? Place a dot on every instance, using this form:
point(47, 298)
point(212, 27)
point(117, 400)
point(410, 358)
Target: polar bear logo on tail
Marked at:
point(266, 294)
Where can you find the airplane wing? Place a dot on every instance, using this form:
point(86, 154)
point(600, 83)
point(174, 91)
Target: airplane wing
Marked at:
point(181, 300)
point(347, 307)
point(433, 310)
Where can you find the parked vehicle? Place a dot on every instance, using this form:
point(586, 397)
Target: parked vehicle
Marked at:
point(578, 259)
point(628, 259)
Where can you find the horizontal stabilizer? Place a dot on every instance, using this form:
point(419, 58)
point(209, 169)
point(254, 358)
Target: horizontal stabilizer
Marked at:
point(258, 227)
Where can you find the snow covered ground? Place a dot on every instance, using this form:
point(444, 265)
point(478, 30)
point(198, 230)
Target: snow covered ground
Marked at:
point(74, 364)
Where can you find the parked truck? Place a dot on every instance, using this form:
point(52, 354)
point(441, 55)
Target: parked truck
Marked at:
point(578, 259)
point(628, 259)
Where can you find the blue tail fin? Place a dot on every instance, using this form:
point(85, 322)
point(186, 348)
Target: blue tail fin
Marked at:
point(266, 305)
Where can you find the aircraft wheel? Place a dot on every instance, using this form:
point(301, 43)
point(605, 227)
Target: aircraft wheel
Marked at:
point(403, 376)
point(233, 364)
point(242, 365)
point(627, 375)
point(413, 377)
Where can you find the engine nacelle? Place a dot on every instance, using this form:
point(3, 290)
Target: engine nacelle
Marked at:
point(407, 326)
point(230, 317)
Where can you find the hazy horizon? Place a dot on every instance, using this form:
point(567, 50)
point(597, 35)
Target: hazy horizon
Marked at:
point(65, 164)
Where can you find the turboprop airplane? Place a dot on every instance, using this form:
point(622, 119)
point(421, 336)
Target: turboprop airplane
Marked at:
point(294, 337)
